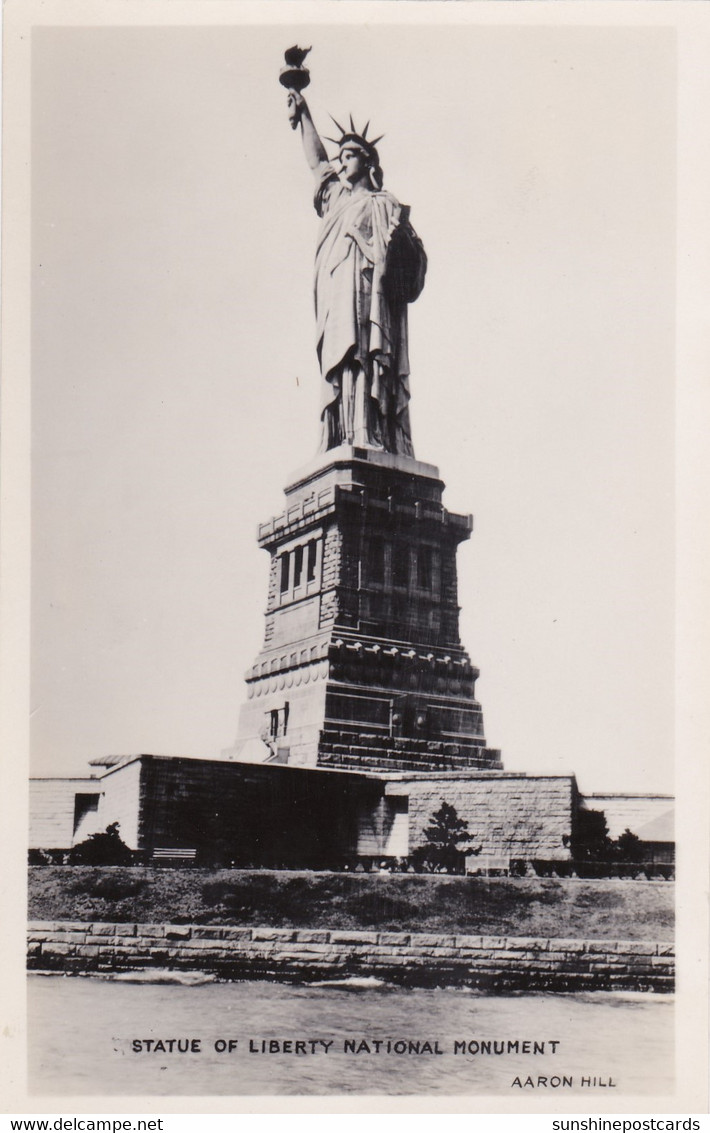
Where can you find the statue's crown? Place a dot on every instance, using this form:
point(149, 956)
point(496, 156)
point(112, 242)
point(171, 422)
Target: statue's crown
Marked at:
point(355, 137)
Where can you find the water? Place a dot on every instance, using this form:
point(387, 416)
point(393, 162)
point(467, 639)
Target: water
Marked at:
point(82, 1031)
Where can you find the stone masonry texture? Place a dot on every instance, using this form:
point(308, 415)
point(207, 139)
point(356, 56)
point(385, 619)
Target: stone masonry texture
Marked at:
point(416, 959)
point(508, 816)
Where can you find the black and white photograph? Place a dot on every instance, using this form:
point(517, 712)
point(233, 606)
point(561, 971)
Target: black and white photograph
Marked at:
point(354, 664)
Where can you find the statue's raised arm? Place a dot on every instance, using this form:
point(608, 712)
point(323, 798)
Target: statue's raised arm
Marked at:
point(369, 265)
point(300, 115)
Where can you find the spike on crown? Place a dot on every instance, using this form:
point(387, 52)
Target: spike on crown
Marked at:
point(355, 137)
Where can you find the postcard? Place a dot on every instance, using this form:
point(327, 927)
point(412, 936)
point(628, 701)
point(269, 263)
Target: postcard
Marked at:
point(352, 540)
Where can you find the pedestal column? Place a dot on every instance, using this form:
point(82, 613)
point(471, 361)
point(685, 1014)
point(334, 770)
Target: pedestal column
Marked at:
point(362, 665)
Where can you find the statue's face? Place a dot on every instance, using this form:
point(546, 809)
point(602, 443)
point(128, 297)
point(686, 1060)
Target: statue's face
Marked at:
point(353, 164)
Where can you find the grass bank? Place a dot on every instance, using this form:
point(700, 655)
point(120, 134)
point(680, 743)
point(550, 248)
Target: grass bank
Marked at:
point(621, 910)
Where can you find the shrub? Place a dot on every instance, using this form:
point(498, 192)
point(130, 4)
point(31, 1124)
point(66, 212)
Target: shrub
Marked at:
point(107, 848)
point(629, 847)
point(591, 843)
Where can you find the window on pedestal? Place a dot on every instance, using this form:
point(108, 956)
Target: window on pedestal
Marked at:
point(276, 722)
point(425, 556)
point(300, 570)
point(297, 566)
point(375, 561)
point(312, 560)
point(285, 571)
point(428, 570)
point(400, 565)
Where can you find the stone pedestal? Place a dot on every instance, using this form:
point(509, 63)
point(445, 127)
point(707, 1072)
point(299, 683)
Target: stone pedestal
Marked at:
point(362, 666)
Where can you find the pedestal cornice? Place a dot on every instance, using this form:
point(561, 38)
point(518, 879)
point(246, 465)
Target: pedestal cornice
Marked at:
point(349, 456)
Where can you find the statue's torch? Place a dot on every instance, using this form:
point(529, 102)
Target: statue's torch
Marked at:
point(295, 77)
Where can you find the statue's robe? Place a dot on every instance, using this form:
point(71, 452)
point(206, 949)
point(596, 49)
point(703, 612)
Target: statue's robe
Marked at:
point(358, 323)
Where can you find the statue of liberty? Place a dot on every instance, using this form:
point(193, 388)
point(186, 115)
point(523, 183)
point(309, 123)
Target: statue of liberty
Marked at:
point(370, 265)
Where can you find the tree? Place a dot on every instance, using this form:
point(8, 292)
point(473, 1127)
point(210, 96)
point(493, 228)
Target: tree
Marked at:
point(107, 848)
point(448, 839)
point(591, 842)
point(629, 847)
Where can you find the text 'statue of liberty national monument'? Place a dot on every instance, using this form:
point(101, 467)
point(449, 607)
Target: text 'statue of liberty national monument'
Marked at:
point(362, 666)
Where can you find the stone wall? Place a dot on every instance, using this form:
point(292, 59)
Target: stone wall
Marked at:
point(272, 596)
point(330, 578)
point(508, 815)
point(418, 959)
point(342, 748)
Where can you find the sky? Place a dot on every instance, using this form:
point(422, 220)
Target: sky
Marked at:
point(175, 381)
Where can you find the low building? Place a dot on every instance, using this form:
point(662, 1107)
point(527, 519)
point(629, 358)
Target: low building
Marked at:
point(278, 815)
point(650, 817)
